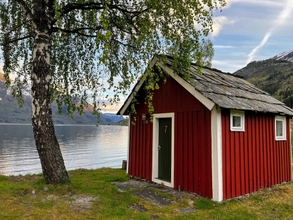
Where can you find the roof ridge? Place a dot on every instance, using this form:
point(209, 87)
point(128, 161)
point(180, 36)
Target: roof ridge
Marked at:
point(215, 87)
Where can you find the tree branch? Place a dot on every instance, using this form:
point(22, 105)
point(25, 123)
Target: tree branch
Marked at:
point(81, 6)
point(113, 18)
point(18, 39)
point(99, 6)
point(27, 11)
point(124, 44)
point(76, 31)
point(51, 10)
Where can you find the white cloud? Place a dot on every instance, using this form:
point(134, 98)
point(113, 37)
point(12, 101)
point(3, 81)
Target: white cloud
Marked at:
point(227, 65)
point(223, 47)
point(254, 2)
point(260, 30)
point(284, 14)
point(219, 22)
point(262, 43)
point(230, 2)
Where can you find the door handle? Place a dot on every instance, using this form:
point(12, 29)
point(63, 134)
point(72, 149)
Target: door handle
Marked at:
point(159, 147)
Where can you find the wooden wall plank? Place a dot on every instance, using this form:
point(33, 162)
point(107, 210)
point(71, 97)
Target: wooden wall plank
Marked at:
point(237, 164)
point(208, 147)
point(185, 153)
point(179, 150)
point(196, 154)
point(191, 166)
point(264, 160)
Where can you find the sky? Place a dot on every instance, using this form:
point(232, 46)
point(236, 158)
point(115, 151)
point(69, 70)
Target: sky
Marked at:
point(245, 31)
point(251, 30)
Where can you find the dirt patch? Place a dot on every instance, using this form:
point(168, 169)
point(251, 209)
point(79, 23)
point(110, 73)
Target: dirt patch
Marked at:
point(77, 203)
point(185, 210)
point(81, 203)
point(50, 198)
point(137, 207)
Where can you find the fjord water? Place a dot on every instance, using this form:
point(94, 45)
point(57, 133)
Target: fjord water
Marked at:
point(82, 146)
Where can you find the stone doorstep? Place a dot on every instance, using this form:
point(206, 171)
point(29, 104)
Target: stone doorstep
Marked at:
point(153, 197)
point(131, 184)
point(138, 184)
point(146, 190)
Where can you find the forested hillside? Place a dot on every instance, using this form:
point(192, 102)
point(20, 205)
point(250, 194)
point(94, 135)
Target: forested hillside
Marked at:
point(274, 76)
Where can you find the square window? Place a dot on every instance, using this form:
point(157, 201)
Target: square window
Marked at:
point(236, 120)
point(280, 127)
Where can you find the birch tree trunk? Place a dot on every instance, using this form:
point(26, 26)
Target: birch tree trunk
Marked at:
point(48, 148)
point(47, 144)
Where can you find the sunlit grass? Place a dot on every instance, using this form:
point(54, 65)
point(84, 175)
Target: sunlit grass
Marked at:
point(92, 195)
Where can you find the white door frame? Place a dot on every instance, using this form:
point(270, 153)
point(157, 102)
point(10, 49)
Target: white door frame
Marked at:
point(155, 148)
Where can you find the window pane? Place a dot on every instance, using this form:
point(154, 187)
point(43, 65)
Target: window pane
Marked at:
point(279, 128)
point(236, 121)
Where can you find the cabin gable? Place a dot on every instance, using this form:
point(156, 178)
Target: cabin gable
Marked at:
point(192, 138)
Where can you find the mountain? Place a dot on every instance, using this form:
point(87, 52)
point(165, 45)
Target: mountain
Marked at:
point(11, 113)
point(274, 75)
point(113, 118)
point(288, 56)
point(124, 122)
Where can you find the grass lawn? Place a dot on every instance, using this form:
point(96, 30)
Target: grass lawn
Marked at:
point(92, 195)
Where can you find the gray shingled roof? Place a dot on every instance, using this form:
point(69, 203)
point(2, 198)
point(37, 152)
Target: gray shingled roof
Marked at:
point(223, 89)
point(232, 92)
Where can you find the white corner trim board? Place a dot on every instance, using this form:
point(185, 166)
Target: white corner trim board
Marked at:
point(217, 171)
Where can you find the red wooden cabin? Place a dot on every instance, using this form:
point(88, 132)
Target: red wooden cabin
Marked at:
point(214, 134)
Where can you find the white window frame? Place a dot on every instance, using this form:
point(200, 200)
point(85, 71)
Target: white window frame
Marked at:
point(240, 114)
point(283, 120)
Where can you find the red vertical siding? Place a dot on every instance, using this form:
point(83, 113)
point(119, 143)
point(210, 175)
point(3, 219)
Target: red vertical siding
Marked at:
point(192, 141)
point(140, 151)
point(193, 153)
point(253, 159)
point(196, 153)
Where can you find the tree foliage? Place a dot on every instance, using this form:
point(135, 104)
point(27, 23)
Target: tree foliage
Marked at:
point(63, 48)
point(91, 40)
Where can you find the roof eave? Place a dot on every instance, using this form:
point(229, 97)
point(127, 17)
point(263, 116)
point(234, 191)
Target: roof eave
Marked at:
point(205, 101)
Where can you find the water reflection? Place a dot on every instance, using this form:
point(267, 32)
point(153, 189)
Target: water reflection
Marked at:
point(82, 147)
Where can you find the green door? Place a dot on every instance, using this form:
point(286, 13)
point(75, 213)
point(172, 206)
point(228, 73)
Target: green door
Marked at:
point(164, 149)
